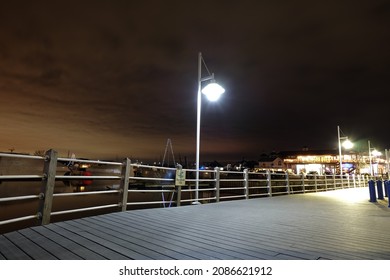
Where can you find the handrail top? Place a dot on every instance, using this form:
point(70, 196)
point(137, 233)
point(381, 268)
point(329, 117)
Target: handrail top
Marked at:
point(15, 155)
point(90, 161)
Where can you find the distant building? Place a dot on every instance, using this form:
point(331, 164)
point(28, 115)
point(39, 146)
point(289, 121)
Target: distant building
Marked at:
point(305, 161)
point(272, 162)
point(322, 162)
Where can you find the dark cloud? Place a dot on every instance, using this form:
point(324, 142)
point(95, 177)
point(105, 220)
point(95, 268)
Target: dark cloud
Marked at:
point(118, 78)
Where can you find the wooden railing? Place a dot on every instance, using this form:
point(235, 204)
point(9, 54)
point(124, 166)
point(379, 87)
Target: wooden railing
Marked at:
point(34, 190)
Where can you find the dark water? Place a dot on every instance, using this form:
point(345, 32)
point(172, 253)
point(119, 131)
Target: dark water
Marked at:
point(15, 209)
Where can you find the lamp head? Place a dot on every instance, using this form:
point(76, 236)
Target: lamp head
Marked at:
point(347, 144)
point(213, 91)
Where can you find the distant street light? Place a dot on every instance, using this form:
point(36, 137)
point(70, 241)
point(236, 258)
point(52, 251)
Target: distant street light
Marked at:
point(346, 144)
point(212, 91)
point(372, 152)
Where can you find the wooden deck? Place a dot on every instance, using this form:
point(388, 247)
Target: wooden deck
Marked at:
point(338, 225)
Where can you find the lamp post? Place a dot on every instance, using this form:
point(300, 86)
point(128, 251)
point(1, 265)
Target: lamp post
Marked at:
point(346, 144)
point(372, 152)
point(212, 91)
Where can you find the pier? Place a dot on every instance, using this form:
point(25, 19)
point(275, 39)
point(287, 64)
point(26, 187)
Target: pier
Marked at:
point(68, 208)
point(336, 225)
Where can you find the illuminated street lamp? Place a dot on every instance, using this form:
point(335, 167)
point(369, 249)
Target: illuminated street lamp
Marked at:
point(212, 91)
point(346, 144)
point(372, 152)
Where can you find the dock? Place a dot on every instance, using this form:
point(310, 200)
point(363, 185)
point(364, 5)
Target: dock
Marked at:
point(333, 225)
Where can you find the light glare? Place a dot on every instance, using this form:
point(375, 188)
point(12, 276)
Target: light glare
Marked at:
point(213, 91)
point(347, 144)
point(347, 196)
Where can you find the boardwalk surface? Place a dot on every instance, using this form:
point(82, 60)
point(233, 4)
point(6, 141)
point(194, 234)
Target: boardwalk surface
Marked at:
point(338, 225)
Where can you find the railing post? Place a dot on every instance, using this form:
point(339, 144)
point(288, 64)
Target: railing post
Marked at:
point(47, 187)
point(269, 183)
point(217, 183)
point(287, 183)
point(303, 183)
point(178, 196)
point(180, 180)
point(315, 182)
point(348, 181)
point(326, 182)
point(334, 182)
point(124, 185)
point(246, 183)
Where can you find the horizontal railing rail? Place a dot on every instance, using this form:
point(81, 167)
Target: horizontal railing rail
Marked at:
point(120, 186)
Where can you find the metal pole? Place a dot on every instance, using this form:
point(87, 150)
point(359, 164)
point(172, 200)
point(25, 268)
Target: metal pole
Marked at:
point(199, 101)
point(198, 128)
point(370, 157)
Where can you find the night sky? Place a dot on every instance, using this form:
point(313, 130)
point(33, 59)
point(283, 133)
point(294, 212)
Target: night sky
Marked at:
point(114, 79)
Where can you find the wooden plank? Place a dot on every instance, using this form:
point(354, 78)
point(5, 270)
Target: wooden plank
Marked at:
point(216, 238)
point(83, 241)
point(262, 237)
point(55, 249)
point(142, 240)
point(29, 247)
point(150, 234)
point(125, 243)
point(64, 241)
point(117, 251)
point(207, 246)
point(162, 238)
point(10, 251)
point(206, 239)
point(221, 234)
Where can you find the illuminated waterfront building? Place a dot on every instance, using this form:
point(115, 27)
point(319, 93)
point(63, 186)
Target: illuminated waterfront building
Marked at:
point(322, 162)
